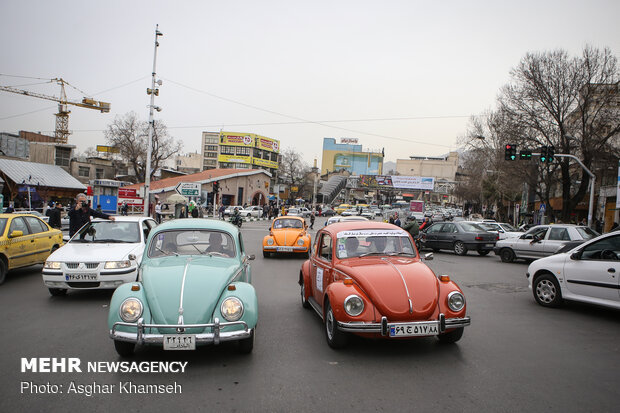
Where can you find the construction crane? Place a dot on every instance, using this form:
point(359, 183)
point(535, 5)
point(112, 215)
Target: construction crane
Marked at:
point(61, 134)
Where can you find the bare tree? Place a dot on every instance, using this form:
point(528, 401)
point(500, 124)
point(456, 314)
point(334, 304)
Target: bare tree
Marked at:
point(130, 135)
point(294, 171)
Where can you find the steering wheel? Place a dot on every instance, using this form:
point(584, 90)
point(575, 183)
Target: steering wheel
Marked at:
point(609, 255)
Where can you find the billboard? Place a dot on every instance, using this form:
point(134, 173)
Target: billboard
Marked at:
point(268, 144)
point(397, 181)
point(234, 158)
point(265, 162)
point(237, 139)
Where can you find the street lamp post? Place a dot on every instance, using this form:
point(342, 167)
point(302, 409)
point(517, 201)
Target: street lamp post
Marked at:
point(152, 91)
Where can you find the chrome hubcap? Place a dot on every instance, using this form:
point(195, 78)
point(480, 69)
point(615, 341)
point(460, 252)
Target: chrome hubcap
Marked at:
point(458, 248)
point(545, 290)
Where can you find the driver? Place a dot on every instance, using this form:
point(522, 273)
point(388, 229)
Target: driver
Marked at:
point(215, 244)
point(351, 244)
point(379, 243)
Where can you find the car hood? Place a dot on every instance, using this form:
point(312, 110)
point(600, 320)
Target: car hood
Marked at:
point(205, 280)
point(286, 237)
point(76, 251)
point(380, 278)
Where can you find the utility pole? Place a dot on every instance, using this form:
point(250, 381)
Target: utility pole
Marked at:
point(152, 91)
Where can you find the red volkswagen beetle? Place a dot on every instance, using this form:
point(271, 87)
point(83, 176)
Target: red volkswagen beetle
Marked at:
point(367, 278)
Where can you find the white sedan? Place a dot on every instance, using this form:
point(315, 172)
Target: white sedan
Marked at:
point(589, 273)
point(504, 230)
point(251, 211)
point(103, 254)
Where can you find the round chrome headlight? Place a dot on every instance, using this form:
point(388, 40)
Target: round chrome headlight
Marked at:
point(456, 301)
point(269, 241)
point(353, 305)
point(300, 242)
point(232, 309)
point(131, 310)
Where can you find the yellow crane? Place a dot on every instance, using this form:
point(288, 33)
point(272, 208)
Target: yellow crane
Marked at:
point(61, 133)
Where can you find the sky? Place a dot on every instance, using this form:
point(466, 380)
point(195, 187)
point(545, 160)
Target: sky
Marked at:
point(406, 76)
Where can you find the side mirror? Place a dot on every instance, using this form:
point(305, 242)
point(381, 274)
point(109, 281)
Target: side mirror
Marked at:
point(251, 257)
point(575, 256)
point(429, 256)
point(131, 257)
point(16, 234)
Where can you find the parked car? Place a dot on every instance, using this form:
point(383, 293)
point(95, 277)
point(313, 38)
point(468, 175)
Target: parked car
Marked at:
point(26, 240)
point(367, 278)
point(339, 218)
point(459, 237)
point(541, 241)
point(586, 273)
point(194, 288)
point(230, 210)
point(103, 254)
point(504, 230)
point(287, 234)
point(367, 213)
point(328, 212)
point(350, 212)
point(37, 214)
point(251, 211)
point(342, 207)
point(293, 212)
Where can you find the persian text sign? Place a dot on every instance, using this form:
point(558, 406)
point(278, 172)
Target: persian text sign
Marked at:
point(269, 144)
point(413, 182)
point(236, 139)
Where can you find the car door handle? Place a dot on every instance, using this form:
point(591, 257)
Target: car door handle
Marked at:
point(32, 240)
point(611, 270)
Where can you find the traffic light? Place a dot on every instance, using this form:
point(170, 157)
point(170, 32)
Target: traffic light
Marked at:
point(511, 152)
point(525, 154)
point(216, 187)
point(543, 154)
point(550, 153)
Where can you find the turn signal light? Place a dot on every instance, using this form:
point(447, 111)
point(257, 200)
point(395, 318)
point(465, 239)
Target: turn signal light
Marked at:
point(478, 238)
point(444, 278)
point(231, 288)
point(348, 281)
point(135, 287)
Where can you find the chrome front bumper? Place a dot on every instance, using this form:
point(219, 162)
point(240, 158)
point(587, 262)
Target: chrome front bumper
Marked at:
point(275, 249)
point(215, 337)
point(384, 326)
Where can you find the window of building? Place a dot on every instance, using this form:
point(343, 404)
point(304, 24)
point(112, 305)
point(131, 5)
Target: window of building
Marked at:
point(226, 165)
point(227, 150)
point(210, 155)
point(257, 153)
point(274, 156)
point(212, 148)
point(243, 166)
point(99, 173)
point(63, 156)
point(211, 140)
point(84, 171)
point(243, 150)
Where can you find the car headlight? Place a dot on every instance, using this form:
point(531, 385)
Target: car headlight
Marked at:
point(456, 301)
point(232, 309)
point(114, 265)
point(52, 265)
point(270, 241)
point(300, 242)
point(353, 305)
point(131, 310)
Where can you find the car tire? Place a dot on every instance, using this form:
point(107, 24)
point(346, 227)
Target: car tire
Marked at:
point(3, 271)
point(483, 252)
point(460, 248)
point(547, 291)
point(124, 348)
point(507, 255)
point(304, 302)
point(246, 345)
point(335, 338)
point(452, 336)
point(266, 254)
point(57, 292)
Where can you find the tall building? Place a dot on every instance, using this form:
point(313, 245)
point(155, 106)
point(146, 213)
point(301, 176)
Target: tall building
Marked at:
point(443, 167)
point(210, 146)
point(349, 156)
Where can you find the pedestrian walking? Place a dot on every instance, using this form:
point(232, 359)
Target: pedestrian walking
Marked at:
point(55, 220)
point(124, 209)
point(312, 218)
point(158, 212)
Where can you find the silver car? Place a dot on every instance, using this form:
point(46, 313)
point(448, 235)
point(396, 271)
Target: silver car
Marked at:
point(541, 241)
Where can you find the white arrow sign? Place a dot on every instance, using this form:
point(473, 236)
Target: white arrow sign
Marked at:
point(188, 188)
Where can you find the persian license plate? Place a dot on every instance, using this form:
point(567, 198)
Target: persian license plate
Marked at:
point(424, 328)
point(285, 249)
point(179, 342)
point(488, 245)
point(80, 277)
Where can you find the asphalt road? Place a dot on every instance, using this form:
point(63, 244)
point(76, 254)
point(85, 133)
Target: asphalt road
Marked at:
point(516, 355)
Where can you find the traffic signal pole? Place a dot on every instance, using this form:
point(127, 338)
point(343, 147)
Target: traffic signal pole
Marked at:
point(592, 180)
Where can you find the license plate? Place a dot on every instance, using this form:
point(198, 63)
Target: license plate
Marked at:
point(488, 245)
point(426, 328)
point(179, 342)
point(80, 277)
point(285, 249)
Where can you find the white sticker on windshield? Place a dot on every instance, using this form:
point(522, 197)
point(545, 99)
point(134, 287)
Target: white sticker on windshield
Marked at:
point(319, 279)
point(373, 233)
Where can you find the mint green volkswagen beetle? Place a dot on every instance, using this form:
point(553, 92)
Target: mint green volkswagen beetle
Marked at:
point(193, 287)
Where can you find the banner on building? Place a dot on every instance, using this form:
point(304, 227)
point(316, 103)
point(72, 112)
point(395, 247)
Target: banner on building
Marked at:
point(234, 159)
point(265, 162)
point(237, 139)
point(268, 144)
point(397, 181)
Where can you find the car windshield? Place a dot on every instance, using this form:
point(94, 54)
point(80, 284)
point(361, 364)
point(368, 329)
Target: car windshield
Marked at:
point(192, 242)
point(586, 233)
point(287, 223)
point(508, 228)
point(470, 227)
point(108, 231)
point(362, 243)
point(2, 225)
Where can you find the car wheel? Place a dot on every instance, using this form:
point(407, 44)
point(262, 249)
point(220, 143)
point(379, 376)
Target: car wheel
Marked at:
point(507, 255)
point(3, 271)
point(547, 291)
point(266, 254)
point(247, 344)
point(335, 338)
point(304, 302)
point(483, 252)
point(57, 292)
point(124, 348)
point(452, 336)
point(460, 248)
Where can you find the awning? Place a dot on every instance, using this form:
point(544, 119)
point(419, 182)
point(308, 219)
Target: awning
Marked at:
point(39, 174)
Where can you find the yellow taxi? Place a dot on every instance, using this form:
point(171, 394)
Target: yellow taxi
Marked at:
point(341, 208)
point(25, 240)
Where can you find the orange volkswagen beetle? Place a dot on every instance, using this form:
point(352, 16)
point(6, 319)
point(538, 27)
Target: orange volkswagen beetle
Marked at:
point(367, 278)
point(287, 234)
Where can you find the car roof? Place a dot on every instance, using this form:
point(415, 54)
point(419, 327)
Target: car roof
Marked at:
point(343, 225)
point(290, 217)
point(197, 223)
point(123, 218)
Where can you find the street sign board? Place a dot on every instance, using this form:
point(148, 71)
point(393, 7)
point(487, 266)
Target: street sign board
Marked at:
point(188, 188)
point(543, 207)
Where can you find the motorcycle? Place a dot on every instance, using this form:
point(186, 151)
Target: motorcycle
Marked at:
point(236, 220)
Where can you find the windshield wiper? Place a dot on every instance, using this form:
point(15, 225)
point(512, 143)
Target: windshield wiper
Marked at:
point(371, 253)
point(400, 253)
point(110, 240)
point(201, 252)
point(166, 252)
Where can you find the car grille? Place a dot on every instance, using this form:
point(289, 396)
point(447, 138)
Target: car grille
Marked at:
point(89, 284)
point(75, 265)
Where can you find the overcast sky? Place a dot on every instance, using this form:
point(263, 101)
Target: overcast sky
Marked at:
point(276, 68)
